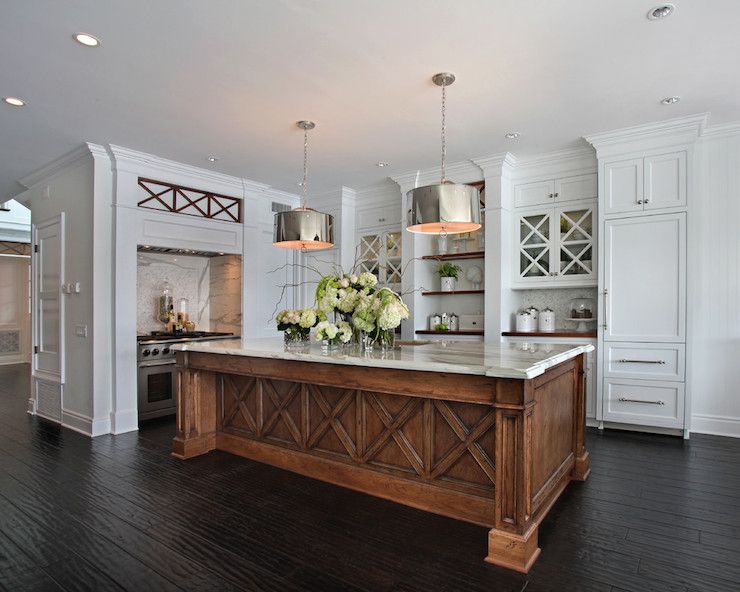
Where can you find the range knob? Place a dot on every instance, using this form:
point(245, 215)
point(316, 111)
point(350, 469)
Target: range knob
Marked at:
point(165, 351)
point(145, 353)
point(155, 351)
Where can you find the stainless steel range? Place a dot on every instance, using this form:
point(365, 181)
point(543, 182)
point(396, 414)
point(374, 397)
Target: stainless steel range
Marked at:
point(157, 381)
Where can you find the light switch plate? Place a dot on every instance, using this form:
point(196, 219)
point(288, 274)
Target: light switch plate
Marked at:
point(81, 330)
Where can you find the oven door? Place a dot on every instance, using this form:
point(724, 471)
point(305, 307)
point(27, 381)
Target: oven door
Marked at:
point(157, 390)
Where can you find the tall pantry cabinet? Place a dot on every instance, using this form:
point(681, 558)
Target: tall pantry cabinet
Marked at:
point(644, 202)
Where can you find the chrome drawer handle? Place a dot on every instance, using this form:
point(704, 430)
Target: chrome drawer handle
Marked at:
point(623, 361)
point(625, 400)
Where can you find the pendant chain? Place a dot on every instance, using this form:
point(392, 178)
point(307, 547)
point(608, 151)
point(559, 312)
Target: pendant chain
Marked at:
point(444, 139)
point(305, 168)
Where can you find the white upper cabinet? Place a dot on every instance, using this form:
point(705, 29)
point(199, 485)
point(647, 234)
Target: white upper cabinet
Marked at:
point(643, 184)
point(555, 191)
point(665, 181)
point(534, 194)
point(379, 253)
point(379, 216)
point(555, 246)
point(623, 186)
point(644, 295)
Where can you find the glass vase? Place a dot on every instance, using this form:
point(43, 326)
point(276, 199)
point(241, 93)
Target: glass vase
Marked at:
point(295, 339)
point(367, 341)
point(386, 340)
point(329, 346)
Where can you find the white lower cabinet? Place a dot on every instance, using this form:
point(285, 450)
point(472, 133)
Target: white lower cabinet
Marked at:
point(644, 402)
point(651, 361)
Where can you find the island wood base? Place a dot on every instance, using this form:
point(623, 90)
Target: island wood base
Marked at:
point(492, 451)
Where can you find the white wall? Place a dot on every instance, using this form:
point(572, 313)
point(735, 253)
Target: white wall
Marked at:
point(68, 186)
point(15, 318)
point(714, 284)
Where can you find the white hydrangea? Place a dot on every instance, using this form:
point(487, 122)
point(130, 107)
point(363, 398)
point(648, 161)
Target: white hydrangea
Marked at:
point(326, 330)
point(345, 331)
point(392, 314)
point(308, 318)
point(367, 279)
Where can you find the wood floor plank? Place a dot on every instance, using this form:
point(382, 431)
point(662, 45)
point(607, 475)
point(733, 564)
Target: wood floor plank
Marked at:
point(658, 514)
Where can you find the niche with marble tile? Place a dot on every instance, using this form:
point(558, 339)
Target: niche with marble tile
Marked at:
point(212, 286)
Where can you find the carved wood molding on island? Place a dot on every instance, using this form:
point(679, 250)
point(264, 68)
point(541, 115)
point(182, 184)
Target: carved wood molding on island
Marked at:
point(492, 451)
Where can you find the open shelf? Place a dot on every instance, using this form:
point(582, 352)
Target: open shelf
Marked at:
point(460, 332)
point(451, 256)
point(452, 293)
point(561, 333)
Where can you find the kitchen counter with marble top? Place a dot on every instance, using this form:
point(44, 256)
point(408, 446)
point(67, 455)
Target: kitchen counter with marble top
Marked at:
point(499, 360)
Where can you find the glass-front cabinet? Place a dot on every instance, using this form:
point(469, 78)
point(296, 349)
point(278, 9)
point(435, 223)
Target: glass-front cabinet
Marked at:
point(380, 254)
point(555, 245)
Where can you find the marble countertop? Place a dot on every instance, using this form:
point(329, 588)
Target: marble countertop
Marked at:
point(500, 360)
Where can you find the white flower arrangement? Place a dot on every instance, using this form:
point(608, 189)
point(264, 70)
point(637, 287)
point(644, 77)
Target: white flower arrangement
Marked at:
point(298, 320)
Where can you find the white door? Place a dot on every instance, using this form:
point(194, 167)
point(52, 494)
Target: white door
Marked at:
point(665, 181)
point(533, 246)
point(575, 257)
point(48, 265)
point(645, 278)
point(623, 186)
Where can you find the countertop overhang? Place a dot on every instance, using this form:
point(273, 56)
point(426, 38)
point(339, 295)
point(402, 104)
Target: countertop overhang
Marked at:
point(498, 360)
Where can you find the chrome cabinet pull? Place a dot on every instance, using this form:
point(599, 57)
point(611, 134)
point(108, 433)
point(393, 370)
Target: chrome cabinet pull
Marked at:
point(626, 400)
point(606, 316)
point(647, 200)
point(556, 195)
point(623, 361)
point(639, 202)
point(550, 196)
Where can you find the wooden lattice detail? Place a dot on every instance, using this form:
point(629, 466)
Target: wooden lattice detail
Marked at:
point(444, 443)
point(14, 248)
point(177, 199)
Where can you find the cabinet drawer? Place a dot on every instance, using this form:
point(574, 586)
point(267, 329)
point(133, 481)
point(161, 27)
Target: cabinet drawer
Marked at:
point(655, 361)
point(381, 216)
point(644, 402)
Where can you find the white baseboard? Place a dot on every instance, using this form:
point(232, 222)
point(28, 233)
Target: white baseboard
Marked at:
point(630, 427)
point(717, 425)
point(124, 421)
point(31, 406)
point(85, 424)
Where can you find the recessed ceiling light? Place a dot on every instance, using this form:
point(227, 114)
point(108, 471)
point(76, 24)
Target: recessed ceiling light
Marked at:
point(212, 159)
point(87, 39)
point(512, 135)
point(660, 12)
point(14, 101)
point(670, 100)
point(383, 164)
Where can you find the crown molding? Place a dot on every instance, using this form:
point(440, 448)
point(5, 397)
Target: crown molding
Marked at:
point(496, 163)
point(724, 130)
point(280, 196)
point(465, 171)
point(557, 157)
point(349, 196)
point(680, 128)
point(122, 155)
point(70, 159)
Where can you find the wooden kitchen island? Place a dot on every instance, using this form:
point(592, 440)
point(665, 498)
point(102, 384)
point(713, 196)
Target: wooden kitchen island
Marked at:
point(487, 433)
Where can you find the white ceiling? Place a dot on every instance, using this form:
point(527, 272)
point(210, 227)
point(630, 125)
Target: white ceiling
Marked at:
point(185, 79)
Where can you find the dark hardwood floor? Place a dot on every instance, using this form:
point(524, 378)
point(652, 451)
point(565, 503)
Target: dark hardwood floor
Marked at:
point(115, 513)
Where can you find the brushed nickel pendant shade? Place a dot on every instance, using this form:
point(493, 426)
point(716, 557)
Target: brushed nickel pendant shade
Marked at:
point(445, 208)
point(303, 229)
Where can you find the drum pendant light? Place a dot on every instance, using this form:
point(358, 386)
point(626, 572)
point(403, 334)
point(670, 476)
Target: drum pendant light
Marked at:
point(304, 229)
point(446, 208)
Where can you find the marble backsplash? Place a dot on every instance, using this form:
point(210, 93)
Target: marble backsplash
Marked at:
point(187, 276)
point(225, 294)
point(558, 299)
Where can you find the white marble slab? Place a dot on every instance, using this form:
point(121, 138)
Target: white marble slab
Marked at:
point(501, 360)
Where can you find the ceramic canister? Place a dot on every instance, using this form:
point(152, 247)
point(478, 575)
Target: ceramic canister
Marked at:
point(547, 320)
point(525, 322)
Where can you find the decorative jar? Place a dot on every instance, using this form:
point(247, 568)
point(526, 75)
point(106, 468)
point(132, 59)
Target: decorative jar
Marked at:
point(295, 339)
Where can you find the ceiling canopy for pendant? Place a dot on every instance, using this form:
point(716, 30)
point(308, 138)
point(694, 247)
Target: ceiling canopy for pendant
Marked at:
point(304, 229)
point(445, 208)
